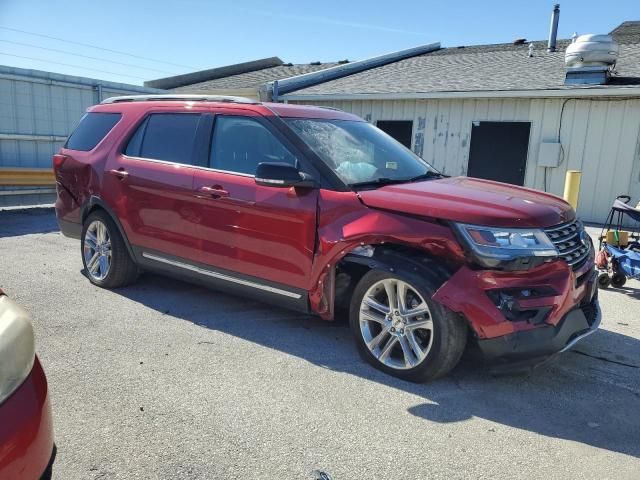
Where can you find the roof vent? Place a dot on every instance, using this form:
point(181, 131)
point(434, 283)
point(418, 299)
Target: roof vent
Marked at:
point(590, 59)
point(553, 28)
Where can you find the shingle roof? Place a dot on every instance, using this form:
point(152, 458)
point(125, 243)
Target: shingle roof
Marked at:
point(254, 78)
point(496, 67)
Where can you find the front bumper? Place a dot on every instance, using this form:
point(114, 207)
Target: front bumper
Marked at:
point(26, 429)
point(521, 315)
point(542, 342)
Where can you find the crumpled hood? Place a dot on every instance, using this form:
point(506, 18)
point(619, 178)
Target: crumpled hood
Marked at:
point(472, 200)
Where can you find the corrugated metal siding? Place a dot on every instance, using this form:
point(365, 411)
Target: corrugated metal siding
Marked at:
point(40, 106)
point(599, 137)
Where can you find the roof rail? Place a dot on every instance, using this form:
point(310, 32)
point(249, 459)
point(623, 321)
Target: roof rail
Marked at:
point(178, 98)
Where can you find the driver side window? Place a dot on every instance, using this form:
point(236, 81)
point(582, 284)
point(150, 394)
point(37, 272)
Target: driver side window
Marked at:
point(239, 144)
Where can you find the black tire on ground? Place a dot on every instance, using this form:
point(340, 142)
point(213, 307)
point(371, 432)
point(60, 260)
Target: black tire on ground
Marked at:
point(604, 280)
point(618, 280)
point(123, 270)
point(449, 329)
point(48, 473)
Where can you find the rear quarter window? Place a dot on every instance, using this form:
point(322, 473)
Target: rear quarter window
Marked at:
point(93, 127)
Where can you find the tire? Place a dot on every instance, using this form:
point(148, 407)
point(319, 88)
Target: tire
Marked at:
point(604, 280)
point(618, 280)
point(101, 239)
point(48, 473)
point(441, 346)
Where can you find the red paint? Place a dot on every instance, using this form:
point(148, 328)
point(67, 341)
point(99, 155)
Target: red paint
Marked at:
point(465, 293)
point(260, 231)
point(296, 237)
point(26, 429)
point(472, 200)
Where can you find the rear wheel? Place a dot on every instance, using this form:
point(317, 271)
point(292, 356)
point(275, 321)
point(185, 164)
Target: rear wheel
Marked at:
point(618, 280)
point(105, 257)
point(400, 330)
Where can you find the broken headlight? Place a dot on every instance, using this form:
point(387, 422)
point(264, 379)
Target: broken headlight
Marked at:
point(506, 248)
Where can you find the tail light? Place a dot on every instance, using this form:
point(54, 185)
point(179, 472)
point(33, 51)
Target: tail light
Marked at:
point(58, 160)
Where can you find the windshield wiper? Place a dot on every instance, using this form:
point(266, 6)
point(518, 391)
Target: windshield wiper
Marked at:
point(381, 182)
point(378, 182)
point(425, 176)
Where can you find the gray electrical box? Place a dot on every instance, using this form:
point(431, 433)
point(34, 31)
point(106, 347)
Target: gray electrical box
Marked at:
point(549, 154)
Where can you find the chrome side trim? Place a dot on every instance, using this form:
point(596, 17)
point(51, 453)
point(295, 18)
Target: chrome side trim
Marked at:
point(221, 276)
point(188, 165)
point(594, 327)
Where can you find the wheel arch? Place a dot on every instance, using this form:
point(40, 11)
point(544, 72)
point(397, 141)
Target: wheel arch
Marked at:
point(95, 204)
point(383, 256)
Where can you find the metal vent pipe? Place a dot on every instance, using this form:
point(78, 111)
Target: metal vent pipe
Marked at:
point(553, 28)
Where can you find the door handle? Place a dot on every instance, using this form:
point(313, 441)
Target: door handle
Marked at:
point(216, 191)
point(121, 173)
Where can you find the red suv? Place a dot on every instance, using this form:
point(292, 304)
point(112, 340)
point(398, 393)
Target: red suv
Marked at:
point(315, 209)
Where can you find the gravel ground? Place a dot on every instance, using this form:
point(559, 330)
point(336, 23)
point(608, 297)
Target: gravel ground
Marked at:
point(167, 380)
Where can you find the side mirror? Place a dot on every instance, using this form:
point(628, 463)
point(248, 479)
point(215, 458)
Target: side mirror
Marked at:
point(283, 175)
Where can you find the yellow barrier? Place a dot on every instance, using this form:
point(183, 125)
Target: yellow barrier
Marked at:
point(572, 187)
point(17, 177)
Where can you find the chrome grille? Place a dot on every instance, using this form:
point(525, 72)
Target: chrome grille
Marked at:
point(568, 240)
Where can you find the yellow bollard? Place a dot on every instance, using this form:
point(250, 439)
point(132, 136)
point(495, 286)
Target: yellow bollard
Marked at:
point(572, 187)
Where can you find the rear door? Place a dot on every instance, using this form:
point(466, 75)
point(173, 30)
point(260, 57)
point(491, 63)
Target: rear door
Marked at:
point(150, 183)
point(261, 232)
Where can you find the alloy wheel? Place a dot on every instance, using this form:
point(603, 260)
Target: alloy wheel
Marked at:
point(97, 250)
point(396, 324)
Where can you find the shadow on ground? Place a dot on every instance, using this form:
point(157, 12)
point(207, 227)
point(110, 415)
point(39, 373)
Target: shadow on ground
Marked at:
point(565, 399)
point(630, 291)
point(14, 223)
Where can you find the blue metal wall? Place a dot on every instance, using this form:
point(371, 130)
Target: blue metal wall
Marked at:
point(38, 110)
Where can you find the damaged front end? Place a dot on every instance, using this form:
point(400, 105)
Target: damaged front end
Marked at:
point(525, 315)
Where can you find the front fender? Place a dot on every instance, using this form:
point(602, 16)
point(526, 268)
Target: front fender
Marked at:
point(344, 223)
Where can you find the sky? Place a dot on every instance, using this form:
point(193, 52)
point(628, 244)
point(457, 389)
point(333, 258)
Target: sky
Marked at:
point(142, 40)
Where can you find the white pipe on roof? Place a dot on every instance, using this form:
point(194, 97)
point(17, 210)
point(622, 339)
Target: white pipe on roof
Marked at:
point(565, 92)
point(298, 82)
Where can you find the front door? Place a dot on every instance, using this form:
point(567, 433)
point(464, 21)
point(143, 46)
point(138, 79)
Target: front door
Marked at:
point(262, 232)
point(499, 151)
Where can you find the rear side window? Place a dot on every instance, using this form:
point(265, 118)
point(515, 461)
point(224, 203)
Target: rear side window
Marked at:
point(93, 127)
point(165, 136)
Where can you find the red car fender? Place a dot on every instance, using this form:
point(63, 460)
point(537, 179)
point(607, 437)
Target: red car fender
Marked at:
point(344, 223)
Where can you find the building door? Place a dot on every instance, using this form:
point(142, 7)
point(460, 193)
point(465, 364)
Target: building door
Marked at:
point(499, 151)
point(399, 129)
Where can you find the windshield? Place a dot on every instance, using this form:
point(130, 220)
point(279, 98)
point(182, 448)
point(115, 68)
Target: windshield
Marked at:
point(360, 153)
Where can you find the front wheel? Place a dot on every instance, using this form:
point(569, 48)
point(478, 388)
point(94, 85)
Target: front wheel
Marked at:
point(604, 280)
point(400, 330)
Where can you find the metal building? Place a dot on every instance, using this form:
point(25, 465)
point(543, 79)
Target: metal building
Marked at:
point(516, 112)
point(508, 112)
point(38, 110)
